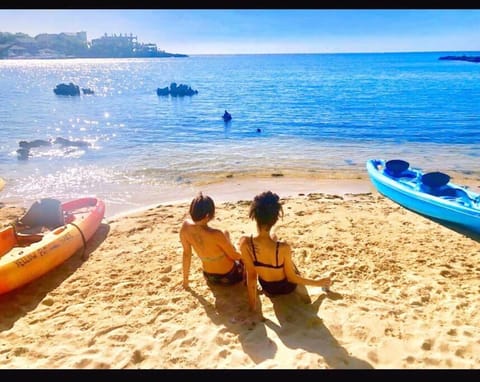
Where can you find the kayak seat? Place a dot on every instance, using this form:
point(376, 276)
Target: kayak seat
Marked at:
point(396, 167)
point(435, 179)
point(45, 212)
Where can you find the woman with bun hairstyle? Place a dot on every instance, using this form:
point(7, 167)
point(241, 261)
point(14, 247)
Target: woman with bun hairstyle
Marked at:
point(266, 258)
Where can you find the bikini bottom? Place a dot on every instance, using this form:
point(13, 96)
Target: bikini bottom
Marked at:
point(235, 275)
point(277, 287)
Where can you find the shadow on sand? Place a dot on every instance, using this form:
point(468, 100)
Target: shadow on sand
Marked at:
point(17, 303)
point(454, 227)
point(231, 311)
point(299, 326)
point(296, 312)
point(457, 228)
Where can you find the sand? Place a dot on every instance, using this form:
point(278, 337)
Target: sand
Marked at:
point(405, 294)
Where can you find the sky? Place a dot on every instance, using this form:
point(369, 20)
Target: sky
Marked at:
point(252, 31)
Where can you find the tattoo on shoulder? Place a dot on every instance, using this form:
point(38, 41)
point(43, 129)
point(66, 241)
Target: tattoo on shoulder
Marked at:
point(198, 239)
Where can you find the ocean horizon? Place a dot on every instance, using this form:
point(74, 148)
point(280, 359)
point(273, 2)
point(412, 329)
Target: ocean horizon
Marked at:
point(304, 114)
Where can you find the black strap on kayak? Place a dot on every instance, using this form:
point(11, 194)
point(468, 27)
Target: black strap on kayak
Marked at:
point(83, 240)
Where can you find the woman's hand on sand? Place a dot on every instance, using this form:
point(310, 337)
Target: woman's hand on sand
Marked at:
point(326, 282)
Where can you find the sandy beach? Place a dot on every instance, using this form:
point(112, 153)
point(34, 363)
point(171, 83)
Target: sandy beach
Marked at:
point(405, 291)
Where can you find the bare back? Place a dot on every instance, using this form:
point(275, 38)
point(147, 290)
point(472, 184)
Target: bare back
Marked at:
point(211, 245)
point(269, 257)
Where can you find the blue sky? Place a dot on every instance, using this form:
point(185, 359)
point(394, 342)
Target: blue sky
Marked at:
point(230, 31)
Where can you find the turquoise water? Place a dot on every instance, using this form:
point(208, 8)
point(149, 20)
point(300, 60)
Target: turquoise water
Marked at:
point(314, 113)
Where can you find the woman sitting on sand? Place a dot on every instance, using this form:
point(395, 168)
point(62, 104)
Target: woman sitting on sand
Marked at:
point(220, 260)
point(268, 258)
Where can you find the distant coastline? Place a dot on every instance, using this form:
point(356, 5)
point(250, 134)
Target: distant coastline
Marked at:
point(76, 45)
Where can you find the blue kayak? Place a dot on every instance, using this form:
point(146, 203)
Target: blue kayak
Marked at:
point(430, 194)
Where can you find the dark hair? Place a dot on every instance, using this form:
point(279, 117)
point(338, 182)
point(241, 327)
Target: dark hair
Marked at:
point(201, 206)
point(266, 209)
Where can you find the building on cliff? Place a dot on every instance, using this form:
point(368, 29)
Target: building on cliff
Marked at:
point(76, 45)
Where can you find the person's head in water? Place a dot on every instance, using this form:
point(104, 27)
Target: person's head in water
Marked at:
point(266, 209)
point(201, 206)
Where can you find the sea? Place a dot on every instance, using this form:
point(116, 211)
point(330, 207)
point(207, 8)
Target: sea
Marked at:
point(291, 114)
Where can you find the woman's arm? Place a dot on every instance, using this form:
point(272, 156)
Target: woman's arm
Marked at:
point(187, 255)
point(251, 273)
point(294, 277)
point(227, 246)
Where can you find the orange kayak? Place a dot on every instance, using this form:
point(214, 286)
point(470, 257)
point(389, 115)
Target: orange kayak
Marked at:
point(22, 261)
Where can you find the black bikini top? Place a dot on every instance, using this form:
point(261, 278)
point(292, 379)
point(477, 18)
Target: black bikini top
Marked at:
point(259, 264)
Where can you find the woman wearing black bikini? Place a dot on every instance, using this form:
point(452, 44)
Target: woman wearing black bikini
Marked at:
point(266, 258)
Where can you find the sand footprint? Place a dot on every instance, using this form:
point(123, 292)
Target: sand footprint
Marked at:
point(427, 344)
point(101, 333)
point(372, 355)
point(137, 357)
point(179, 334)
